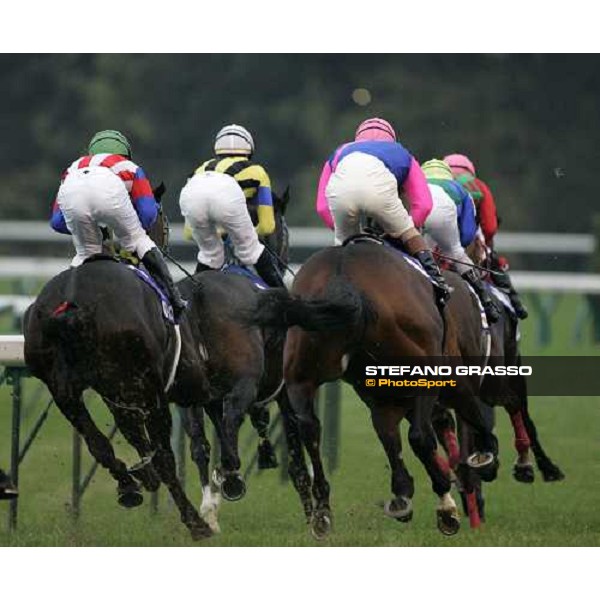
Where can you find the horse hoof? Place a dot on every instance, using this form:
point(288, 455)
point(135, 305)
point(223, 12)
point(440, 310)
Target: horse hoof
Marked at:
point(552, 474)
point(448, 522)
point(485, 464)
point(233, 487)
point(523, 473)
point(399, 508)
point(9, 493)
point(201, 531)
point(266, 456)
point(130, 496)
point(320, 526)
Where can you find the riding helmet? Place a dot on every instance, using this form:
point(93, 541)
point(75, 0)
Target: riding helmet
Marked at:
point(234, 139)
point(459, 163)
point(375, 130)
point(110, 141)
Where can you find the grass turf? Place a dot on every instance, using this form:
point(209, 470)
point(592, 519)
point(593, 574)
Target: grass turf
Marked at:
point(557, 514)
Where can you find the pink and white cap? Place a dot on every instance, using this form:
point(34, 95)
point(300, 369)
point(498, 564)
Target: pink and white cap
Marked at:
point(375, 130)
point(459, 163)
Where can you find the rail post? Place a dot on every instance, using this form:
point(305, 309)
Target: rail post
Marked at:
point(594, 300)
point(13, 377)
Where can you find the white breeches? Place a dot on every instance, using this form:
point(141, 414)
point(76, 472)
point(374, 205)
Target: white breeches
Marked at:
point(441, 228)
point(211, 200)
point(94, 197)
point(362, 184)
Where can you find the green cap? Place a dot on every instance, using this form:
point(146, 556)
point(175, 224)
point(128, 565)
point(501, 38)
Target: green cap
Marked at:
point(110, 142)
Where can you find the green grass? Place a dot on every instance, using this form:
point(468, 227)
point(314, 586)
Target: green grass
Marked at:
point(557, 514)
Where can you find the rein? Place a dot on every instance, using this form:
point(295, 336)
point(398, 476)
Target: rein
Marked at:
point(461, 262)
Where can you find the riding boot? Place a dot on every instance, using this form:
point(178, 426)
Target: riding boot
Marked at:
point(491, 310)
point(502, 280)
point(418, 249)
point(266, 267)
point(154, 262)
point(201, 267)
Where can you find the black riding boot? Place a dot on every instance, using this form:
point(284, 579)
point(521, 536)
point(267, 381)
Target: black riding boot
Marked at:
point(502, 280)
point(201, 267)
point(418, 249)
point(265, 266)
point(154, 262)
point(491, 310)
point(442, 290)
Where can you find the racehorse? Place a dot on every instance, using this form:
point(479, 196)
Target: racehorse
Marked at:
point(245, 371)
point(507, 391)
point(393, 317)
point(100, 326)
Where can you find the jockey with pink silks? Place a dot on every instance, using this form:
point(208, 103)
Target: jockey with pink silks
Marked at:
point(366, 177)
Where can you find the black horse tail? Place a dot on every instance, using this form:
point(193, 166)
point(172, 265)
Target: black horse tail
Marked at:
point(72, 327)
point(341, 307)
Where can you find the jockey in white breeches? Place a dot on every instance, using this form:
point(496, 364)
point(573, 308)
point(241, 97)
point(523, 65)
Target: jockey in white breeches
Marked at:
point(452, 226)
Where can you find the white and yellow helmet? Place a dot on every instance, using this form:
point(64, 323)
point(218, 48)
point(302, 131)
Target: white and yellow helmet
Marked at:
point(234, 139)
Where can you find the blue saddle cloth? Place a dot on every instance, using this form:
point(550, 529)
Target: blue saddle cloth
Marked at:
point(167, 309)
point(245, 272)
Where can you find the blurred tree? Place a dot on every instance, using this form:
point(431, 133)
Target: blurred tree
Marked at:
point(530, 123)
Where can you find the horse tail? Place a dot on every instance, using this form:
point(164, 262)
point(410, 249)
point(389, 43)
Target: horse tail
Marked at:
point(342, 306)
point(72, 328)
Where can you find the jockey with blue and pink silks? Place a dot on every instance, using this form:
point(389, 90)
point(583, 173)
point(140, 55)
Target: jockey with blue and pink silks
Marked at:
point(366, 177)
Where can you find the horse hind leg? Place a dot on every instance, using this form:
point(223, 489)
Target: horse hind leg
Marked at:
point(259, 417)
point(193, 423)
point(423, 442)
point(74, 409)
point(296, 462)
point(235, 406)
point(131, 424)
point(158, 424)
point(302, 397)
point(550, 471)
point(386, 420)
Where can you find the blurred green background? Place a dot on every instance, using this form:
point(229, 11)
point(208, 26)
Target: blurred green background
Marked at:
point(530, 122)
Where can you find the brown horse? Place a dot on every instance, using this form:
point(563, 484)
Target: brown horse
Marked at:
point(394, 317)
point(509, 392)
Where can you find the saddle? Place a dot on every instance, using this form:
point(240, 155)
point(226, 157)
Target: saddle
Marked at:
point(237, 269)
point(369, 237)
point(167, 309)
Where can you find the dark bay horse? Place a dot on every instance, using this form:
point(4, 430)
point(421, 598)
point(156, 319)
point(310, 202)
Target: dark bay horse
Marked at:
point(245, 371)
point(394, 316)
point(100, 326)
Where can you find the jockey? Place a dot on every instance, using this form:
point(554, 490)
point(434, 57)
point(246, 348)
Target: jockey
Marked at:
point(452, 225)
point(464, 172)
point(105, 188)
point(218, 196)
point(366, 176)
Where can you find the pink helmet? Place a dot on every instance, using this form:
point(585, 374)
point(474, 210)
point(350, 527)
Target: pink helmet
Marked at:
point(459, 163)
point(375, 130)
